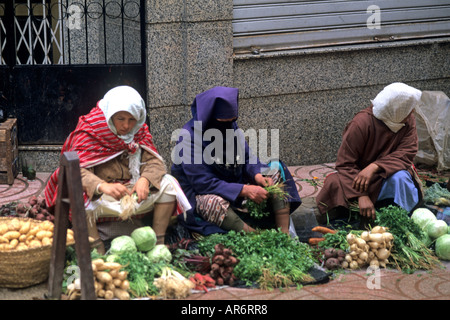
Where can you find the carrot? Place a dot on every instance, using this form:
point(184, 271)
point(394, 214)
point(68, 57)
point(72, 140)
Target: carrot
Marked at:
point(323, 230)
point(315, 241)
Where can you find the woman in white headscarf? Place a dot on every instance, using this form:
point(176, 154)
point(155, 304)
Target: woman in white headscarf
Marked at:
point(123, 176)
point(375, 160)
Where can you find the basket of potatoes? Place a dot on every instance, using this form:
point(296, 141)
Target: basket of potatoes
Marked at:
point(25, 251)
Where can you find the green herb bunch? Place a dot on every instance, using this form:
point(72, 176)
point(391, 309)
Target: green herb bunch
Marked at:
point(260, 210)
point(409, 252)
point(269, 258)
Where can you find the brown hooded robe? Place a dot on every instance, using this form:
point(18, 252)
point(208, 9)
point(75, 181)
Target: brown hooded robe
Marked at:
point(368, 140)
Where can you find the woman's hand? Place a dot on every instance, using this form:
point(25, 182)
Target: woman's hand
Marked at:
point(142, 189)
point(263, 181)
point(366, 207)
point(255, 193)
point(361, 181)
point(115, 190)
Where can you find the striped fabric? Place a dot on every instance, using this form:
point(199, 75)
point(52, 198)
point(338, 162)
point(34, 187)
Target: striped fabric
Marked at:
point(94, 144)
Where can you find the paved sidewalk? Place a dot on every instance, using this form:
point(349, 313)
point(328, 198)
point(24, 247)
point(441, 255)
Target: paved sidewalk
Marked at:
point(349, 285)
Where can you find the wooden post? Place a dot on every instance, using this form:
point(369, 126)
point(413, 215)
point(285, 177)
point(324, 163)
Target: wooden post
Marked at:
point(70, 198)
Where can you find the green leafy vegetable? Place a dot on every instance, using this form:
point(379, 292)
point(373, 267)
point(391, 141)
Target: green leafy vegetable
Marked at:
point(141, 272)
point(260, 210)
point(409, 251)
point(145, 238)
point(122, 244)
point(160, 253)
point(270, 258)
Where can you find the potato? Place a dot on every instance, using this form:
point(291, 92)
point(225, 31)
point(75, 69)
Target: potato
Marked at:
point(46, 241)
point(34, 244)
point(21, 246)
point(14, 225)
point(109, 294)
point(5, 247)
point(12, 235)
point(3, 240)
point(23, 238)
point(44, 234)
point(3, 228)
point(47, 225)
point(121, 294)
point(104, 277)
point(33, 231)
point(13, 243)
point(25, 227)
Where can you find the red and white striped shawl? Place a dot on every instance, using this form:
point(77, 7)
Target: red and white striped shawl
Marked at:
point(94, 144)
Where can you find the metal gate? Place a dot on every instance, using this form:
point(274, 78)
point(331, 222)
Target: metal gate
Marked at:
point(59, 57)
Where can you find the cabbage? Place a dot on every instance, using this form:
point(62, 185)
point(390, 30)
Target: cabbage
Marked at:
point(160, 253)
point(436, 228)
point(422, 216)
point(145, 238)
point(122, 244)
point(442, 248)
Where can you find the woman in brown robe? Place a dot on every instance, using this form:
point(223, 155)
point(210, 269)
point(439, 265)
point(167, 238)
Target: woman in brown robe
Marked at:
point(379, 142)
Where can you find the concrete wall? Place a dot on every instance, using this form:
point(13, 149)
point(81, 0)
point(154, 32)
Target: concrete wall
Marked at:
point(309, 95)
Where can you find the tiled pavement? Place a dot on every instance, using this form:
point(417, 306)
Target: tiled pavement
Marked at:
point(355, 285)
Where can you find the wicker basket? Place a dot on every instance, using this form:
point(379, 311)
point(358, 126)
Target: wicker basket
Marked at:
point(24, 268)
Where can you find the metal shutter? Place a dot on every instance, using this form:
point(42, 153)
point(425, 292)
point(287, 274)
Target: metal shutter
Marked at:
point(265, 25)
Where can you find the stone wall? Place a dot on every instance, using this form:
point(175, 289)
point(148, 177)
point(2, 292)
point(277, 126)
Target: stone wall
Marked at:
point(308, 95)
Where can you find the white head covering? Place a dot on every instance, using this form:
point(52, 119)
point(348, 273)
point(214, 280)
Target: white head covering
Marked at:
point(394, 103)
point(124, 98)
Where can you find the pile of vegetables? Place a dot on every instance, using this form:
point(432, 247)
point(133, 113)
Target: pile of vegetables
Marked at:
point(173, 285)
point(409, 251)
point(436, 231)
point(222, 266)
point(34, 208)
point(267, 258)
point(260, 210)
point(109, 282)
point(371, 248)
point(437, 195)
point(23, 234)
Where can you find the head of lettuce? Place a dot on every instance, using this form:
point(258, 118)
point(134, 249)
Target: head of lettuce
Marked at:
point(145, 238)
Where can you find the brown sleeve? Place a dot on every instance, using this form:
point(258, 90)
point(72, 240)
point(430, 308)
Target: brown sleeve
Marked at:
point(90, 181)
point(153, 169)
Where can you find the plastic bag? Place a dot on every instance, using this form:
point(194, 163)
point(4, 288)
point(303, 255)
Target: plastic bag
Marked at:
point(433, 129)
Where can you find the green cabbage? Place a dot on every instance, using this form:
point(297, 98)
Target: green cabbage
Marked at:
point(160, 253)
point(443, 247)
point(122, 244)
point(436, 228)
point(145, 238)
point(422, 216)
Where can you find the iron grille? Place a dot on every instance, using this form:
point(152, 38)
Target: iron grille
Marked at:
point(35, 32)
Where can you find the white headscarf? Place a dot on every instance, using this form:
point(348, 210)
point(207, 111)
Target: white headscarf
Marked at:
point(124, 98)
point(394, 103)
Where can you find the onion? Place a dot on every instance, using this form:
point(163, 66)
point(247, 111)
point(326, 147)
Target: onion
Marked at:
point(351, 238)
point(378, 229)
point(374, 262)
point(353, 265)
point(388, 236)
point(376, 237)
point(365, 236)
point(363, 256)
point(348, 258)
point(383, 253)
point(361, 243)
point(344, 264)
point(374, 245)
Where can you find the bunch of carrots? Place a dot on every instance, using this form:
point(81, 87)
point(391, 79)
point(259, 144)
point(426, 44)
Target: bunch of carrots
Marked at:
point(323, 230)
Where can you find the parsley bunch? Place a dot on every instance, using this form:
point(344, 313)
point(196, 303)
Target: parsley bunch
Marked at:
point(260, 210)
point(269, 258)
